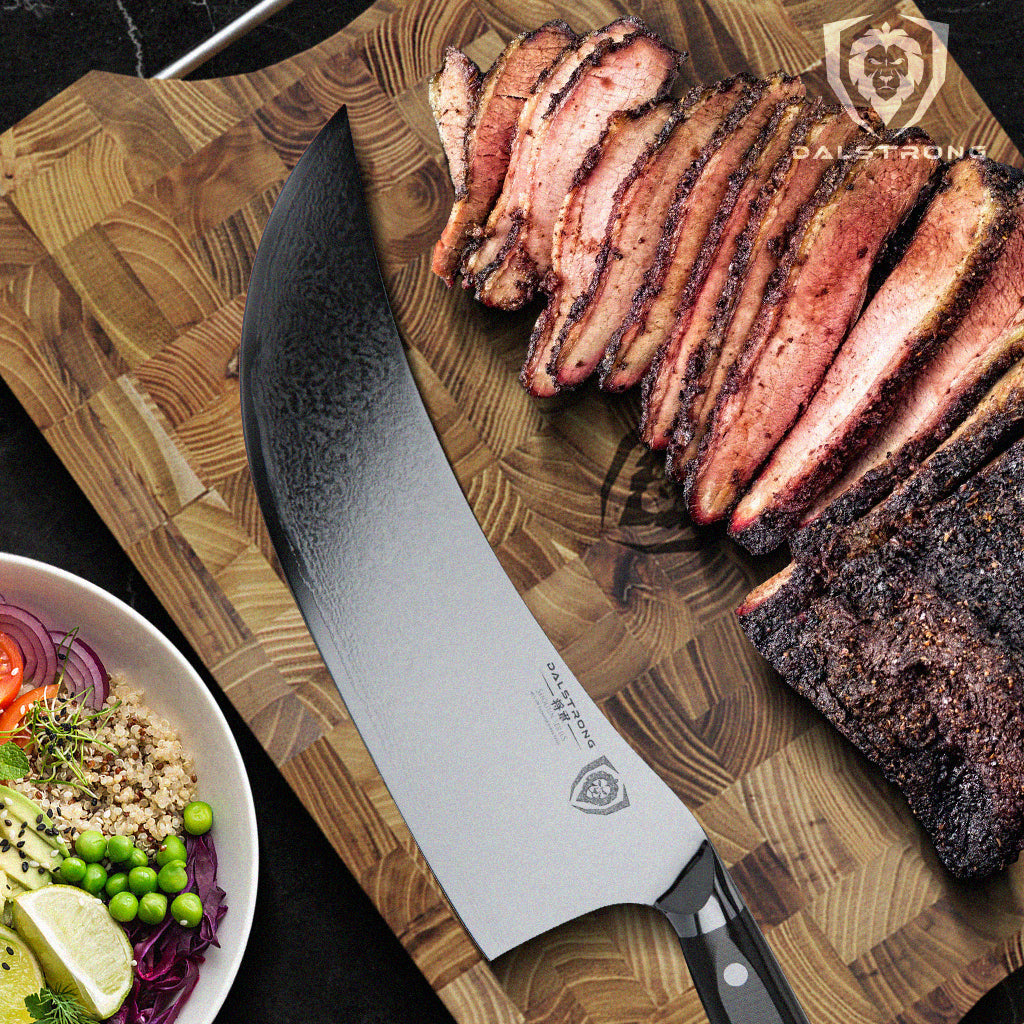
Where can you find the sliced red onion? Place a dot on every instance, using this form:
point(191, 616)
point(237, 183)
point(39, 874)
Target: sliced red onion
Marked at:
point(84, 674)
point(37, 646)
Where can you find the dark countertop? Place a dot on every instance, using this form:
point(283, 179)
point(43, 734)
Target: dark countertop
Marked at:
point(318, 950)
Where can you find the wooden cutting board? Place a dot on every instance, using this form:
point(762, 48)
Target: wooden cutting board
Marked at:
point(130, 212)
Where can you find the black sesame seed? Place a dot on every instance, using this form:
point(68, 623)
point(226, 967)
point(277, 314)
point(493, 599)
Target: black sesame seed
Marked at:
point(24, 865)
point(10, 950)
point(6, 967)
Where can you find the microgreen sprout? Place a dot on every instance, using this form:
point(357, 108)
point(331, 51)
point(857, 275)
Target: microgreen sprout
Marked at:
point(62, 732)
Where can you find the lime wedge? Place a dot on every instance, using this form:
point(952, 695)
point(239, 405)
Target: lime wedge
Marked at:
point(78, 944)
point(21, 977)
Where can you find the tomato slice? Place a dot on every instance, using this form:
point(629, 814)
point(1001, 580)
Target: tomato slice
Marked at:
point(16, 712)
point(12, 670)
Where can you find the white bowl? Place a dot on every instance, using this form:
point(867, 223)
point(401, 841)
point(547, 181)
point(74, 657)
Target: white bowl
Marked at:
point(126, 641)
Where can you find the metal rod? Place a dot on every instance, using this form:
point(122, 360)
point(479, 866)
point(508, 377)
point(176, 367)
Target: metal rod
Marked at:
point(218, 41)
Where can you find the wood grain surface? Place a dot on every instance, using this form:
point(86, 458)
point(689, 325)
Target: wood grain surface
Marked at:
point(130, 212)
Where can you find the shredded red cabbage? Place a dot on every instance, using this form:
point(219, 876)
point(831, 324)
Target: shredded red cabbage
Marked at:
point(168, 956)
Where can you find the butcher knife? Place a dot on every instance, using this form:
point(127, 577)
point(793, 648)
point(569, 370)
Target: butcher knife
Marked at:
point(529, 807)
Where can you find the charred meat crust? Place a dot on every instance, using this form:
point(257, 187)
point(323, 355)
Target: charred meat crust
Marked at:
point(777, 522)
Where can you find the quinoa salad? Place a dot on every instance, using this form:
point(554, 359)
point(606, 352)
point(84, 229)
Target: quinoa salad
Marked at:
point(139, 792)
point(108, 866)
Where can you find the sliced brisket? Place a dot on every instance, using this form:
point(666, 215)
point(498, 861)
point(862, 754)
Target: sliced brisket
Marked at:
point(583, 219)
point(619, 73)
point(678, 400)
point(705, 294)
point(942, 393)
point(500, 98)
point(918, 305)
point(816, 295)
point(452, 94)
point(693, 231)
point(636, 225)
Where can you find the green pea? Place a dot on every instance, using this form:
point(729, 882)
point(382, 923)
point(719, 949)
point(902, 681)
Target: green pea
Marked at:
point(198, 818)
point(72, 870)
point(119, 849)
point(172, 876)
point(123, 907)
point(95, 878)
point(117, 883)
point(152, 908)
point(142, 880)
point(137, 858)
point(187, 909)
point(91, 846)
point(172, 848)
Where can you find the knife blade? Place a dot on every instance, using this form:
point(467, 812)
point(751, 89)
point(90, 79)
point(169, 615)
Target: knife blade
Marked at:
point(528, 806)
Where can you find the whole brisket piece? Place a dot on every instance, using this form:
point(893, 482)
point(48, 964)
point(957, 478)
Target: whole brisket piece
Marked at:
point(942, 393)
point(693, 232)
point(452, 94)
point(907, 637)
point(632, 233)
point(816, 295)
point(627, 67)
point(678, 399)
point(499, 99)
point(583, 219)
point(918, 305)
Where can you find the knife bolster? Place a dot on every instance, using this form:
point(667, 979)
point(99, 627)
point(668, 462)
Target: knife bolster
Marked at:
point(703, 897)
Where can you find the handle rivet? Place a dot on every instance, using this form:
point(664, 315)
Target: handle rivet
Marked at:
point(735, 975)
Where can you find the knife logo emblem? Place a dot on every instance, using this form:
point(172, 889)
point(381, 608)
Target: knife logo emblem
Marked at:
point(598, 789)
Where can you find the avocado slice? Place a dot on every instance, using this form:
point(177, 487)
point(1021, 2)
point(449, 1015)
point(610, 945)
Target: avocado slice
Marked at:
point(31, 843)
point(15, 805)
point(19, 871)
point(8, 890)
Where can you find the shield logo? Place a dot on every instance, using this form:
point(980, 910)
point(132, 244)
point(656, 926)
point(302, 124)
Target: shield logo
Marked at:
point(896, 68)
point(598, 789)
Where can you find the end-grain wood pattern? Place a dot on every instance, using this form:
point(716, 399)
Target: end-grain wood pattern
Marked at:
point(130, 212)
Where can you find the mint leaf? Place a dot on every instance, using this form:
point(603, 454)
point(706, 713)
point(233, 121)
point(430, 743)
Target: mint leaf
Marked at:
point(13, 762)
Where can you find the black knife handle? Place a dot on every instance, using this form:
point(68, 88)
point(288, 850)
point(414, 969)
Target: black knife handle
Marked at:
point(735, 972)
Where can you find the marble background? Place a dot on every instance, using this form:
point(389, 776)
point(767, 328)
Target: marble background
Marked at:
point(319, 952)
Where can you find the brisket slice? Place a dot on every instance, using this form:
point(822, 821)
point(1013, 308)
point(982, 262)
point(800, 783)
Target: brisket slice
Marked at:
point(488, 142)
point(616, 75)
point(709, 279)
point(816, 295)
point(941, 394)
point(995, 422)
point(917, 306)
point(678, 401)
point(692, 236)
point(632, 233)
point(513, 186)
point(583, 218)
point(452, 94)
